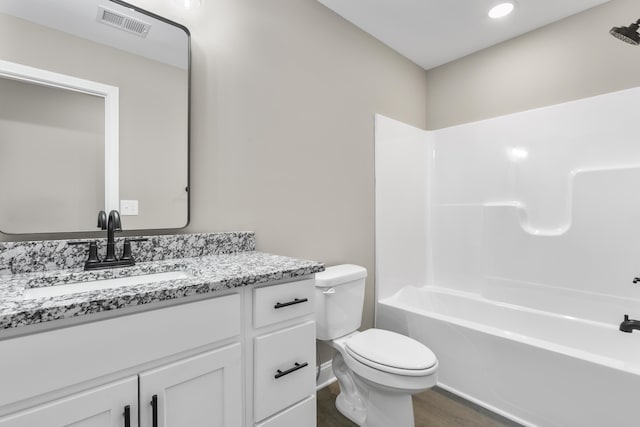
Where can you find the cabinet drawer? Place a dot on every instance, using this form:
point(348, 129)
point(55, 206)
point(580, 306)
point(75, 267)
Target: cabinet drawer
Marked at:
point(280, 374)
point(301, 415)
point(272, 304)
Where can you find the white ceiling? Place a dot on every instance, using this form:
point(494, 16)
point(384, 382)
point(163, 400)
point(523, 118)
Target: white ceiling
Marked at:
point(433, 32)
point(164, 43)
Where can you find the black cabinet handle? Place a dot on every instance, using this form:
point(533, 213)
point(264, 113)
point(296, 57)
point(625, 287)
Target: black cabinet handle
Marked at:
point(287, 304)
point(296, 366)
point(127, 416)
point(154, 410)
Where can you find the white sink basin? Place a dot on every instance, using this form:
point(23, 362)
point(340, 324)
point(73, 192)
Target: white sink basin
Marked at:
point(97, 285)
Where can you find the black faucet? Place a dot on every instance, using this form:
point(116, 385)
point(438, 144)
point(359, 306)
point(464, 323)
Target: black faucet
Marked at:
point(628, 325)
point(112, 224)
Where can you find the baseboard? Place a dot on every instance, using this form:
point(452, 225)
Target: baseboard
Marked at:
point(326, 376)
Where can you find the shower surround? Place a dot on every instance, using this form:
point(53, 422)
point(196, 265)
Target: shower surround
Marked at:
point(509, 247)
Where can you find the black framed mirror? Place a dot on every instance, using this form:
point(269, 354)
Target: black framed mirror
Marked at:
point(57, 139)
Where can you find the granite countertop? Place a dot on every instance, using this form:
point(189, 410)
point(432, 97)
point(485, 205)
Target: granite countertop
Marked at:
point(209, 274)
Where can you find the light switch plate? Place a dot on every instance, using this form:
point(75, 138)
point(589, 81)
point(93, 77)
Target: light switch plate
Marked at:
point(128, 207)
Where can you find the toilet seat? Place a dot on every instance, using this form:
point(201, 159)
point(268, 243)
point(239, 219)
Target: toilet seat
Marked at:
point(391, 352)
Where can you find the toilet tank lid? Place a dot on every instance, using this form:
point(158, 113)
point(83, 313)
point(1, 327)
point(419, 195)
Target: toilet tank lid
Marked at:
point(339, 274)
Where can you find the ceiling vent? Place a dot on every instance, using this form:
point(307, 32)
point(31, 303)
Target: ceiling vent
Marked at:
point(123, 22)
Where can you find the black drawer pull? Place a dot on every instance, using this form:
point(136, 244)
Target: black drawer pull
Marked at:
point(127, 416)
point(287, 304)
point(288, 371)
point(154, 410)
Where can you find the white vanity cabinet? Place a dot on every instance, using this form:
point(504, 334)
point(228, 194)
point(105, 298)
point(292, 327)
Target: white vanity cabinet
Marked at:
point(242, 359)
point(111, 405)
point(284, 350)
point(204, 390)
point(187, 355)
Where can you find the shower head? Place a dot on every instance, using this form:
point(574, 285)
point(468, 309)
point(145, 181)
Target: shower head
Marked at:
point(627, 34)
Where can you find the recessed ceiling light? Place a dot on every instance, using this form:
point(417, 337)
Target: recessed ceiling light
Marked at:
point(189, 4)
point(501, 10)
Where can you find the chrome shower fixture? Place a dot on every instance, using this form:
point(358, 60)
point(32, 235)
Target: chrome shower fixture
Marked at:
point(627, 34)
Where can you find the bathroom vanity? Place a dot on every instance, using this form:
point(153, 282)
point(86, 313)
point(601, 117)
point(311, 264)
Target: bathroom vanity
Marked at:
point(229, 342)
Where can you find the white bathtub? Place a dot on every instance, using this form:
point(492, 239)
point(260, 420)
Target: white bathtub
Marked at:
point(532, 366)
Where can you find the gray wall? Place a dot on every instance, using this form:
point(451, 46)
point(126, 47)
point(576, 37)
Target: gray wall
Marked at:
point(570, 59)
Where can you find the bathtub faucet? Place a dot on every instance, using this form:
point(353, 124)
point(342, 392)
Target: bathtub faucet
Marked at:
point(629, 325)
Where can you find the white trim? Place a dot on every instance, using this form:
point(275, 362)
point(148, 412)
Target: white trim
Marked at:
point(110, 94)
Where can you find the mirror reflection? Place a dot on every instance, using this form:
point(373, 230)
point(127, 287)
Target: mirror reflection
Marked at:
point(39, 129)
point(147, 59)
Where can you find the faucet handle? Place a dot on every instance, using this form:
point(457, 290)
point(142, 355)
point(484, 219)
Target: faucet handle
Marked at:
point(102, 220)
point(626, 317)
point(93, 251)
point(126, 251)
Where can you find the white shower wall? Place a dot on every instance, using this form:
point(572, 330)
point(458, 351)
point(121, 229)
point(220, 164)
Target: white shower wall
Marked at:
point(402, 156)
point(517, 208)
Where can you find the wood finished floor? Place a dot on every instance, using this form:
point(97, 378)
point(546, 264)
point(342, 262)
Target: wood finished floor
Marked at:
point(433, 408)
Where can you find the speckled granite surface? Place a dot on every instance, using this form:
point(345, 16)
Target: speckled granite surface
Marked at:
point(208, 274)
point(214, 262)
point(49, 255)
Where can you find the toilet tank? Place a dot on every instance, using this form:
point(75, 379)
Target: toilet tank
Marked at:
point(339, 300)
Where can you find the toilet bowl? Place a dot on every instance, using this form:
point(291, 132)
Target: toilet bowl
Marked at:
point(377, 370)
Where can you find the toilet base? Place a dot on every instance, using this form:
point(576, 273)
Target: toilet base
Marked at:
point(382, 410)
point(370, 406)
point(355, 414)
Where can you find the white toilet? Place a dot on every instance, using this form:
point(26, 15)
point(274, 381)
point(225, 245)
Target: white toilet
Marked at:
point(377, 370)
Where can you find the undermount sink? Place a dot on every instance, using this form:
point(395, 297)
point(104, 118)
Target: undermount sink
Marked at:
point(97, 285)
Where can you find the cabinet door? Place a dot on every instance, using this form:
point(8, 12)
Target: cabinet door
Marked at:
point(99, 407)
point(204, 390)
